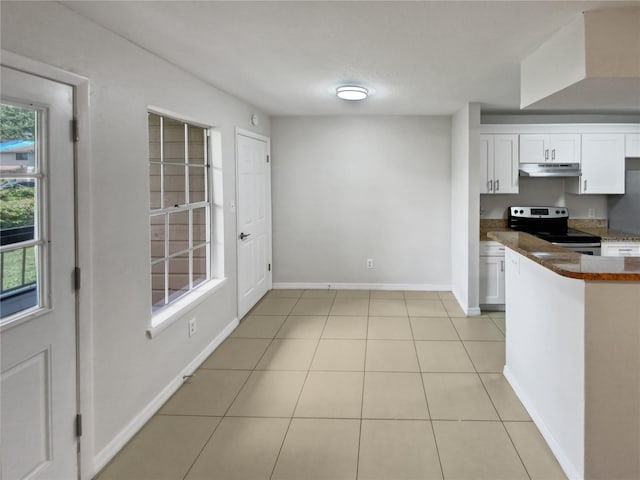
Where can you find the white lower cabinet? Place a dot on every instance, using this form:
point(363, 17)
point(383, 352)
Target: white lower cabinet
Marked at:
point(491, 273)
point(620, 249)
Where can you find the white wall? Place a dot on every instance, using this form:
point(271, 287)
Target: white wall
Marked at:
point(128, 369)
point(349, 188)
point(544, 191)
point(465, 194)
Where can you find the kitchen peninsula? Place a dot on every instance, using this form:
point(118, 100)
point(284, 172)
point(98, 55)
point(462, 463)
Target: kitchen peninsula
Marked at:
point(573, 352)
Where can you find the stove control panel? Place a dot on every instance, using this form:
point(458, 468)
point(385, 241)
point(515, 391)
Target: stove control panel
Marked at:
point(539, 212)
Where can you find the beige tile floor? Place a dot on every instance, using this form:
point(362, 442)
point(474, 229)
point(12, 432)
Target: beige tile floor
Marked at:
point(346, 385)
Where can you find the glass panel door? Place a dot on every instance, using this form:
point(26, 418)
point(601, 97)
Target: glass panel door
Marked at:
point(22, 184)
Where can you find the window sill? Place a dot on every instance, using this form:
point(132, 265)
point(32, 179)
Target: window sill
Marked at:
point(169, 315)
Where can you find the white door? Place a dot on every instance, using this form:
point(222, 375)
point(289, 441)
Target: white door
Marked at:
point(37, 303)
point(254, 219)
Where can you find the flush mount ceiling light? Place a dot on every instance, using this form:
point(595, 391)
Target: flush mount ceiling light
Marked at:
point(352, 92)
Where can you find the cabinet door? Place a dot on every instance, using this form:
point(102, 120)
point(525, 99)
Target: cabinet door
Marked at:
point(532, 148)
point(505, 164)
point(491, 280)
point(563, 148)
point(486, 163)
point(602, 163)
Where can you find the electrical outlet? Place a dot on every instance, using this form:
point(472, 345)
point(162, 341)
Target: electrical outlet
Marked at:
point(369, 262)
point(192, 327)
point(591, 213)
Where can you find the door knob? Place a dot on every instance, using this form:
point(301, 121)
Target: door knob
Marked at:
point(244, 235)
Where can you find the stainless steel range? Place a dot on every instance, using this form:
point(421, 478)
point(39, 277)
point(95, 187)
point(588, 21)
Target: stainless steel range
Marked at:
point(551, 224)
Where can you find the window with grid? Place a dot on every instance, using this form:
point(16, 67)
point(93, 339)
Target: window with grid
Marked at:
point(179, 218)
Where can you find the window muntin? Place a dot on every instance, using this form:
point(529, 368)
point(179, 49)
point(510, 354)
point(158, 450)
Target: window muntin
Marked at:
point(22, 212)
point(180, 213)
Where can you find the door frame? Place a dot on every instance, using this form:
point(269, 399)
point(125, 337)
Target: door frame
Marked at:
point(267, 140)
point(83, 252)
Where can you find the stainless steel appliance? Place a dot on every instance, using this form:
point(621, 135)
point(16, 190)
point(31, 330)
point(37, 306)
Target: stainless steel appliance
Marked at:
point(550, 170)
point(624, 210)
point(551, 224)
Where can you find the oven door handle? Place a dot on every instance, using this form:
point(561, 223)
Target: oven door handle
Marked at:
point(576, 245)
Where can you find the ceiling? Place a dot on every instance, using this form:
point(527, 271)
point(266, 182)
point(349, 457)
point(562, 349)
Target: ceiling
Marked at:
point(286, 58)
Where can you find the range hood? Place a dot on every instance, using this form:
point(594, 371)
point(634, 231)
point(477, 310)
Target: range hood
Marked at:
point(550, 170)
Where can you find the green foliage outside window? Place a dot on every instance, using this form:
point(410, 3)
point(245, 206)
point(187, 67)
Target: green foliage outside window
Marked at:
point(16, 123)
point(17, 207)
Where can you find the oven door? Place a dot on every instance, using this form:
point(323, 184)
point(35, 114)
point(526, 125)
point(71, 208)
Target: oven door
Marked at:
point(583, 248)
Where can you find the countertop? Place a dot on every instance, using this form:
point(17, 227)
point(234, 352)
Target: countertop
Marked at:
point(611, 235)
point(567, 263)
point(592, 227)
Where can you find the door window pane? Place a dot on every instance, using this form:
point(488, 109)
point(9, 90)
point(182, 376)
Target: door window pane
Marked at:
point(20, 187)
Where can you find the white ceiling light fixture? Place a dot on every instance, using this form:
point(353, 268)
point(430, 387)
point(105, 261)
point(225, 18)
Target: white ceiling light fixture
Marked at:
point(352, 92)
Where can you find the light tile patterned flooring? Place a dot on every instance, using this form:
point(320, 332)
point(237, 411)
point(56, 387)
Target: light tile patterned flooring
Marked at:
point(337, 385)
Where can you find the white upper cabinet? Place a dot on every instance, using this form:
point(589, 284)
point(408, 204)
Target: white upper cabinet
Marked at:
point(632, 145)
point(602, 164)
point(555, 148)
point(499, 163)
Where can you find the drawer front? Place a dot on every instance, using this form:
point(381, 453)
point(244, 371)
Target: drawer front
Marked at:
point(631, 249)
point(491, 249)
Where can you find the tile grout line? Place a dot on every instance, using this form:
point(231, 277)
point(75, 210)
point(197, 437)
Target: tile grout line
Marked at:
point(426, 398)
point(284, 438)
point(243, 384)
point(364, 379)
point(500, 416)
point(484, 387)
point(237, 393)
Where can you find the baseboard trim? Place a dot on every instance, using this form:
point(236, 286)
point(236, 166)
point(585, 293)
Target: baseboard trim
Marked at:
point(362, 286)
point(569, 468)
point(472, 312)
point(120, 440)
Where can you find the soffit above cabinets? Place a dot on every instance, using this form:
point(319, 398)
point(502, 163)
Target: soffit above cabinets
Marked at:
point(591, 64)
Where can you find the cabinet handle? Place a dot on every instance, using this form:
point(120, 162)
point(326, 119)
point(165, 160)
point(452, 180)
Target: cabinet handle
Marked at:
point(553, 154)
point(497, 185)
point(502, 265)
point(584, 189)
point(625, 249)
point(490, 183)
point(546, 154)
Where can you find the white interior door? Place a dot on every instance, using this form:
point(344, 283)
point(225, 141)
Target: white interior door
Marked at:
point(37, 303)
point(254, 219)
